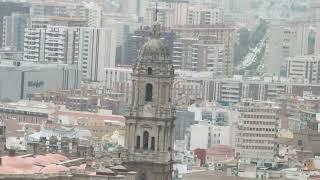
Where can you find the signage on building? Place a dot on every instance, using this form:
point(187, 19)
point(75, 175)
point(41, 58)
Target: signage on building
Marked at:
point(36, 84)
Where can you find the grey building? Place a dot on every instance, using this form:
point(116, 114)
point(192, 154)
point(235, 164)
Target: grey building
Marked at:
point(13, 30)
point(184, 119)
point(7, 8)
point(19, 80)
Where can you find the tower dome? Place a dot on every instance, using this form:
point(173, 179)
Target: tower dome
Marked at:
point(154, 50)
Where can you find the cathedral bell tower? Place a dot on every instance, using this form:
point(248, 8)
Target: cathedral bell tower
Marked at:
point(150, 123)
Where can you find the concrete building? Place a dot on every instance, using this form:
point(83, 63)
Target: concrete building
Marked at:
point(27, 78)
point(97, 50)
point(257, 127)
point(92, 49)
point(61, 9)
point(7, 8)
point(204, 15)
point(228, 91)
point(26, 112)
point(170, 13)
point(118, 80)
point(52, 44)
point(13, 30)
point(304, 69)
point(46, 21)
point(94, 12)
point(135, 7)
point(204, 48)
point(205, 135)
point(289, 40)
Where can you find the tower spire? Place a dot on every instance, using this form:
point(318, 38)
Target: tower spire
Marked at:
point(156, 13)
point(156, 25)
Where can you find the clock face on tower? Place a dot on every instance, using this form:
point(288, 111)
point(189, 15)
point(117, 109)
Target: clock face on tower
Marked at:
point(148, 110)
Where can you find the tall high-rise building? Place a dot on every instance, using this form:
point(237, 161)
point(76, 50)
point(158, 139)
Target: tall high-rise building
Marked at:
point(204, 48)
point(6, 9)
point(257, 127)
point(97, 50)
point(202, 15)
point(150, 123)
point(13, 30)
point(53, 44)
point(93, 49)
point(289, 40)
point(135, 7)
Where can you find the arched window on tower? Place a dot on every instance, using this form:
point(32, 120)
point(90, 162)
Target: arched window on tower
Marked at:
point(148, 92)
point(138, 142)
point(143, 177)
point(149, 70)
point(145, 140)
point(153, 143)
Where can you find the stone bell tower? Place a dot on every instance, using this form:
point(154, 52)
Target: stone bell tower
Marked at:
point(150, 123)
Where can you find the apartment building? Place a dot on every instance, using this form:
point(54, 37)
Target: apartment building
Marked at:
point(205, 135)
point(199, 15)
point(286, 40)
point(257, 127)
point(204, 48)
point(170, 13)
point(13, 30)
point(92, 49)
point(52, 44)
point(7, 8)
point(304, 69)
point(232, 90)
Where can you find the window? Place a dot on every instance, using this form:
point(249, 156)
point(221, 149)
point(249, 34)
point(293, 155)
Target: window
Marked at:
point(300, 142)
point(145, 140)
point(143, 177)
point(138, 142)
point(152, 143)
point(149, 70)
point(148, 92)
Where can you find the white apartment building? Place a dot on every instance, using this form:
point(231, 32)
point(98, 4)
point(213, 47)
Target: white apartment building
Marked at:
point(97, 50)
point(205, 48)
point(93, 49)
point(256, 130)
point(52, 44)
point(198, 54)
point(94, 15)
point(200, 15)
point(205, 135)
point(305, 69)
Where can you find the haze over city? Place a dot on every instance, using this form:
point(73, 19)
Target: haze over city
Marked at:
point(159, 89)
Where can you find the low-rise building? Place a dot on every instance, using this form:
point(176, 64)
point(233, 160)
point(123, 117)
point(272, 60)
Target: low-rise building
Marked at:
point(27, 78)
